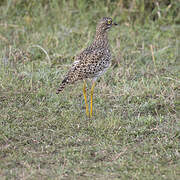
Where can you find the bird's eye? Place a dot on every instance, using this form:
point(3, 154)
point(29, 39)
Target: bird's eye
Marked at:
point(109, 21)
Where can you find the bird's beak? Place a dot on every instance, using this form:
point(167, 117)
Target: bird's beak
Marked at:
point(115, 24)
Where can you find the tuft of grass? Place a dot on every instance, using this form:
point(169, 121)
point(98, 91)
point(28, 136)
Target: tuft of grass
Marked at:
point(134, 133)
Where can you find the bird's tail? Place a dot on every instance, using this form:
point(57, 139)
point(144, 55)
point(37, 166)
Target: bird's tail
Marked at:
point(62, 86)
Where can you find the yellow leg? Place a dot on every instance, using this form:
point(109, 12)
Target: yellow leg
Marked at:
point(92, 90)
point(85, 99)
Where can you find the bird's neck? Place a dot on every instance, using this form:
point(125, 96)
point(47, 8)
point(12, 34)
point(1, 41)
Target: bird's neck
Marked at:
point(101, 39)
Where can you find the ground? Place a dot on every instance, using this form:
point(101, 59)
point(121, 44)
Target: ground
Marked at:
point(135, 129)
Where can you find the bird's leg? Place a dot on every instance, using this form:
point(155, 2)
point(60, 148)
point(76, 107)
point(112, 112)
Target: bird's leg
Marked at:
point(85, 98)
point(92, 90)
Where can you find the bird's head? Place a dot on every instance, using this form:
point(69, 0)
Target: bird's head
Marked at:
point(105, 24)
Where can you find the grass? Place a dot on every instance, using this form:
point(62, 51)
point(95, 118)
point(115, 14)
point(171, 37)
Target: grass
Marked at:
point(134, 133)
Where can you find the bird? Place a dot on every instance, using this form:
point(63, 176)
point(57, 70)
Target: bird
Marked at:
point(92, 62)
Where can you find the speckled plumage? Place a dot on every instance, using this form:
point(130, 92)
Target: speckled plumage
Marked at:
point(94, 60)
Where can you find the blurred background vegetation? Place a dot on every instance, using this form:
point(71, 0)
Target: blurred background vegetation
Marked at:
point(131, 11)
point(80, 17)
point(126, 10)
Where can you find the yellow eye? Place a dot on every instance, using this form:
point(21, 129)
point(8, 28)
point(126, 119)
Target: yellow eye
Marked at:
point(109, 21)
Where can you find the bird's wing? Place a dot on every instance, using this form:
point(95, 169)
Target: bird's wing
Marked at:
point(89, 56)
point(86, 65)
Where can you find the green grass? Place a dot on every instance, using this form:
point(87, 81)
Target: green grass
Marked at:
point(135, 130)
